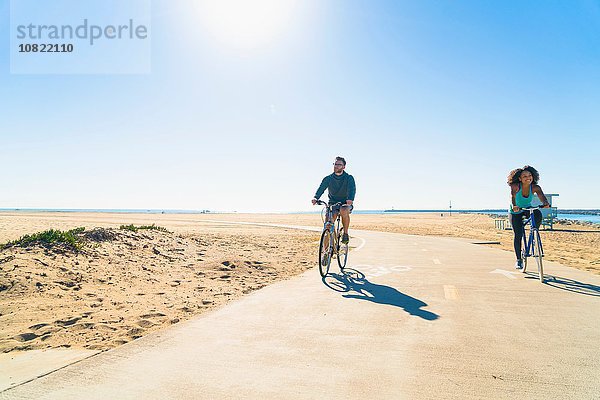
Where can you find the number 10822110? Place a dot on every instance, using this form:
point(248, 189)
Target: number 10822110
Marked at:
point(46, 48)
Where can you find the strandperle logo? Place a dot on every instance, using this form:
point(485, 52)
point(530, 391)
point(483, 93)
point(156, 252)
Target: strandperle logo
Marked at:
point(85, 31)
point(80, 37)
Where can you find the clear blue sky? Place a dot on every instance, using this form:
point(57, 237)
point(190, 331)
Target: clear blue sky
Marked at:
point(429, 101)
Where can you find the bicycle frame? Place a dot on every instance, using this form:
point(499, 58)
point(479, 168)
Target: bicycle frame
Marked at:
point(332, 230)
point(533, 246)
point(332, 226)
point(533, 228)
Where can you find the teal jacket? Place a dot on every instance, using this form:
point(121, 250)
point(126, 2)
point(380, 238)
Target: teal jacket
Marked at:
point(339, 188)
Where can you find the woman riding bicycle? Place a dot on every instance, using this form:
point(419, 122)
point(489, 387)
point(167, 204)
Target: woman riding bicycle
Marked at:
point(523, 184)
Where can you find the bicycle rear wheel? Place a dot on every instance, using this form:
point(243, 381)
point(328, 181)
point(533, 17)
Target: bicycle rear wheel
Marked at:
point(325, 250)
point(539, 254)
point(342, 250)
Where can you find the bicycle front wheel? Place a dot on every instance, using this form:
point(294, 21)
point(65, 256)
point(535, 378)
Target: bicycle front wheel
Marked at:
point(325, 250)
point(539, 254)
point(524, 251)
point(342, 253)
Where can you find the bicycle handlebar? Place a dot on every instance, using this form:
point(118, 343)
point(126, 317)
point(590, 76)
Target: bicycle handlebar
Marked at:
point(324, 203)
point(531, 208)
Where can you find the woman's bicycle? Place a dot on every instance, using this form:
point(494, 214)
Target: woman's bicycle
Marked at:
point(533, 245)
point(331, 240)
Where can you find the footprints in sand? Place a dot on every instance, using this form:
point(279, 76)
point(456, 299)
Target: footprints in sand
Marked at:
point(44, 331)
point(37, 326)
point(144, 323)
point(135, 333)
point(67, 322)
point(82, 326)
point(106, 327)
point(153, 315)
point(82, 331)
point(25, 337)
point(123, 289)
point(227, 266)
point(255, 264)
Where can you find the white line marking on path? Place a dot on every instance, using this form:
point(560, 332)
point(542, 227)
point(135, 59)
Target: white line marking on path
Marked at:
point(361, 245)
point(450, 292)
point(372, 271)
point(436, 261)
point(401, 268)
point(306, 228)
point(508, 274)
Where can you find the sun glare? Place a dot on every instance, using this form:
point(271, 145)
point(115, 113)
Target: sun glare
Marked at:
point(246, 24)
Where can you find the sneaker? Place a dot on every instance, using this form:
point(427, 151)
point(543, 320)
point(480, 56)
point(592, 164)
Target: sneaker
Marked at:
point(345, 238)
point(519, 264)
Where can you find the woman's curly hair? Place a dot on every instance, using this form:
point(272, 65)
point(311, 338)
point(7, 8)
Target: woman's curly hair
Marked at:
point(515, 174)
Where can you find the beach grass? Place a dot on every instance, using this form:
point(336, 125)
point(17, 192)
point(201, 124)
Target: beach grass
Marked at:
point(134, 228)
point(73, 239)
point(50, 237)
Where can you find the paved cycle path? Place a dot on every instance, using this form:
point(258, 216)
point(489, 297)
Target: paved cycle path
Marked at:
point(413, 318)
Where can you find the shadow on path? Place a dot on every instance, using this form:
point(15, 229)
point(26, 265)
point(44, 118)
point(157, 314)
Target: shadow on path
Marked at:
point(569, 285)
point(356, 285)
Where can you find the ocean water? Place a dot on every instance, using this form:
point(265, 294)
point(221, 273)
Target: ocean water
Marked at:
point(106, 210)
point(575, 217)
point(580, 217)
point(595, 219)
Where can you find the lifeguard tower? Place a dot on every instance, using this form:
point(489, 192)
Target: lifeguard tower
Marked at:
point(548, 214)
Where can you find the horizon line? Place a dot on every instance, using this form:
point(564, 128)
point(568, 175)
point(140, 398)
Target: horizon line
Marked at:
point(207, 211)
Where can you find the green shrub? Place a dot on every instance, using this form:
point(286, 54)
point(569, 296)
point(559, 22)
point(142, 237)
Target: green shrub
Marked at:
point(131, 228)
point(49, 238)
point(134, 228)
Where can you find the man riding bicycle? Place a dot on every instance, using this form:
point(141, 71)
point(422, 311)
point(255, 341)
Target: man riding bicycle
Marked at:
point(341, 188)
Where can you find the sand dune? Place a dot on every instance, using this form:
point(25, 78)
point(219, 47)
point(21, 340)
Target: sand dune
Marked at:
point(131, 283)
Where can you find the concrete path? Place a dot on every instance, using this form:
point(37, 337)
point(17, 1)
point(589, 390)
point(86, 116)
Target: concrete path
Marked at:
point(413, 318)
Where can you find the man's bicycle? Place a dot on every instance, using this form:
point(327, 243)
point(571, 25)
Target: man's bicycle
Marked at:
point(533, 245)
point(331, 240)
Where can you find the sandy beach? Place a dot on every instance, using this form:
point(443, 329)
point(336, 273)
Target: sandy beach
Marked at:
point(124, 284)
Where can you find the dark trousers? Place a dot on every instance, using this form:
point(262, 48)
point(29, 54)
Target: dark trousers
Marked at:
point(517, 224)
